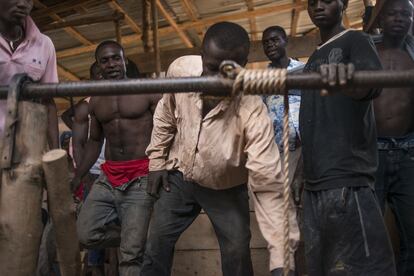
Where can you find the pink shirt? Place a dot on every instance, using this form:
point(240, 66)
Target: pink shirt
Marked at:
point(35, 56)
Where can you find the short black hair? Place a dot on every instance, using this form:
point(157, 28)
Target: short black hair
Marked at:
point(106, 43)
point(132, 70)
point(228, 36)
point(278, 29)
point(92, 69)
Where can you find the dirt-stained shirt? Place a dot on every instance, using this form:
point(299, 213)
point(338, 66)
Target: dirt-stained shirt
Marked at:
point(232, 145)
point(35, 56)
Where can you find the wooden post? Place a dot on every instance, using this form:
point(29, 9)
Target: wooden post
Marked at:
point(21, 195)
point(118, 33)
point(146, 25)
point(55, 166)
point(156, 42)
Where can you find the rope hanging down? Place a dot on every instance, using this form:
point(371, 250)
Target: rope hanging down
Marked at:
point(269, 82)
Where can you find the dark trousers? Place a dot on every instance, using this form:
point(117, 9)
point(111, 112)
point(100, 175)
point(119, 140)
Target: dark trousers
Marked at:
point(395, 185)
point(174, 212)
point(113, 217)
point(344, 234)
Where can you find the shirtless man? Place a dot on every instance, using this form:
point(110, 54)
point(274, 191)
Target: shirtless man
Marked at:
point(394, 112)
point(119, 196)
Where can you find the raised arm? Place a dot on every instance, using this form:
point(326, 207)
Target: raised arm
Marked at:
point(266, 186)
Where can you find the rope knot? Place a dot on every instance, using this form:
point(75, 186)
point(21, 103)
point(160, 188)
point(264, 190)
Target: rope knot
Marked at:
point(260, 82)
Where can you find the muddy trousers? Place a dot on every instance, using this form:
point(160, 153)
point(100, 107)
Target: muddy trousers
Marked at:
point(344, 234)
point(175, 211)
point(113, 217)
point(395, 185)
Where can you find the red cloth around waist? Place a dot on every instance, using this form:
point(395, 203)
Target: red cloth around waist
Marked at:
point(121, 172)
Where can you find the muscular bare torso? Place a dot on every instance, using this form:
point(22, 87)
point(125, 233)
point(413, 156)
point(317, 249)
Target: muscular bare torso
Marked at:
point(394, 109)
point(126, 123)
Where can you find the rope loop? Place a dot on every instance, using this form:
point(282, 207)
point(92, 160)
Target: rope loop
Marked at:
point(260, 82)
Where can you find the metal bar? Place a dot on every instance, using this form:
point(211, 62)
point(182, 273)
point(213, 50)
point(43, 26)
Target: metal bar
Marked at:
point(212, 85)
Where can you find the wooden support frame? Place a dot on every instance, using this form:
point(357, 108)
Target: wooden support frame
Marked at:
point(70, 30)
point(194, 16)
point(295, 19)
point(184, 37)
point(156, 42)
point(146, 23)
point(128, 19)
point(127, 40)
point(63, 72)
point(252, 21)
point(63, 6)
point(84, 21)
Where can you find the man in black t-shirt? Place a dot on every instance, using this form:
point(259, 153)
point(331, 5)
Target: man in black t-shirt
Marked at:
point(343, 229)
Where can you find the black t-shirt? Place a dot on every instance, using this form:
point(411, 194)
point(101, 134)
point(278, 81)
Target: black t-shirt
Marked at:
point(338, 132)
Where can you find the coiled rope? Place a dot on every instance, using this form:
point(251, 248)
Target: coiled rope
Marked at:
point(268, 82)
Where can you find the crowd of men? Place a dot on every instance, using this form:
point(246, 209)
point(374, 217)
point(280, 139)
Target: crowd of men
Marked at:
point(164, 158)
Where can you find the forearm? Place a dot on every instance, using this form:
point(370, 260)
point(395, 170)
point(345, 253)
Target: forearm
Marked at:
point(78, 153)
point(53, 130)
point(91, 154)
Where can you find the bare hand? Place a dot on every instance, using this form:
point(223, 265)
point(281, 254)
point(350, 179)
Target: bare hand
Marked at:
point(336, 74)
point(156, 179)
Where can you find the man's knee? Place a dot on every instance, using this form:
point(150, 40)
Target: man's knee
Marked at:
point(88, 238)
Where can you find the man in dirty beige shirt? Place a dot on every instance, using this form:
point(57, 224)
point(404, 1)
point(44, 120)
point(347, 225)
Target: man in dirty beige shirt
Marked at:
point(203, 152)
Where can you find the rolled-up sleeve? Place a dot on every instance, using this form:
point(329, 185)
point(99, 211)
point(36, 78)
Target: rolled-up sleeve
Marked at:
point(266, 185)
point(163, 133)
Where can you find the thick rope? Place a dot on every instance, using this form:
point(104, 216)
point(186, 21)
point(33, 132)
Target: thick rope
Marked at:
point(267, 82)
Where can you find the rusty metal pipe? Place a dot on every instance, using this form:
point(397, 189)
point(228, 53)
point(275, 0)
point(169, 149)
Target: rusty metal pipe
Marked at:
point(212, 85)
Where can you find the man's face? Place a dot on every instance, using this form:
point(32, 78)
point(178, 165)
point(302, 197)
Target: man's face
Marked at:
point(274, 45)
point(397, 18)
point(325, 13)
point(111, 61)
point(213, 56)
point(15, 11)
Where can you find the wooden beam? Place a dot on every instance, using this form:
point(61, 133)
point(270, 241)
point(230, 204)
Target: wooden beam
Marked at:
point(70, 30)
point(127, 40)
point(295, 19)
point(270, 9)
point(184, 37)
point(252, 20)
point(128, 19)
point(118, 33)
point(83, 21)
point(63, 6)
point(193, 14)
point(146, 22)
point(297, 47)
point(155, 39)
point(65, 73)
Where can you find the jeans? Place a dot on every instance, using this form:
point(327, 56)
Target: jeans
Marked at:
point(395, 185)
point(344, 234)
point(174, 212)
point(112, 217)
point(96, 257)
